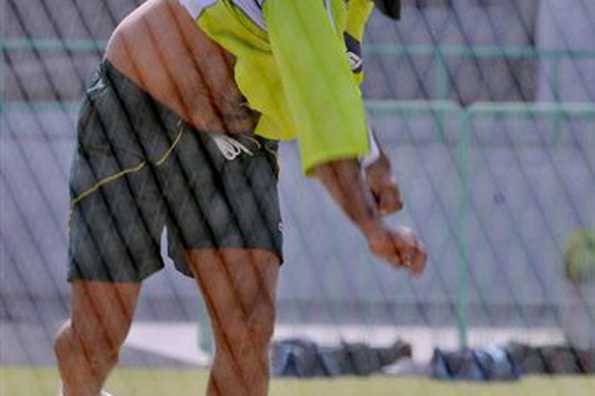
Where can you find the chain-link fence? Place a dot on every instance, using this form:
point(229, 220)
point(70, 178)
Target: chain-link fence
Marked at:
point(487, 110)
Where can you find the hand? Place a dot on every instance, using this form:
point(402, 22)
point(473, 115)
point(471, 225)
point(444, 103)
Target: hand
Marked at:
point(383, 186)
point(399, 247)
point(343, 180)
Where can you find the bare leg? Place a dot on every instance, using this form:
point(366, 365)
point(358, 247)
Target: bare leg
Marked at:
point(88, 345)
point(239, 288)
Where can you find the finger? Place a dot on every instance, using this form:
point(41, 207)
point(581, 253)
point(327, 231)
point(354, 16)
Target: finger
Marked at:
point(412, 252)
point(404, 247)
point(383, 246)
point(392, 255)
point(400, 202)
point(420, 260)
point(417, 266)
point(407, 261)
point(379, 243)
point(384, 186)
point(390, 200)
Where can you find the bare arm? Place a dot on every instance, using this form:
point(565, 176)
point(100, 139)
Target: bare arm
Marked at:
point(344, 181)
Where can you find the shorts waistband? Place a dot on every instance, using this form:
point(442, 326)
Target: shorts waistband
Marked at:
point(133, 96)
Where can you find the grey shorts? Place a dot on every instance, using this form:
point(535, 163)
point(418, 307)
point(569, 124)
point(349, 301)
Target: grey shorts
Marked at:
point(138, 168)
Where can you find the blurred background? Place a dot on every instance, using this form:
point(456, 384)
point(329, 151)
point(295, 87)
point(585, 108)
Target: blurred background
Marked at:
point(486, 108)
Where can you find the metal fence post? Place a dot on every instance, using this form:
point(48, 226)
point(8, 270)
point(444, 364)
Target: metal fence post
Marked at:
point(462, 154)
point(441, 74)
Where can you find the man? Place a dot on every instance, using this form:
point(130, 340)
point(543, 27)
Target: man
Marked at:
point(179, 128)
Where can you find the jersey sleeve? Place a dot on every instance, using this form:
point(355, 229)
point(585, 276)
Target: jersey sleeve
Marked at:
point(322, 96)
point(359, 12)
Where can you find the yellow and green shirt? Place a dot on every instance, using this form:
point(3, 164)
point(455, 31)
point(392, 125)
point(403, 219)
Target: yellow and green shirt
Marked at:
point(298, 63)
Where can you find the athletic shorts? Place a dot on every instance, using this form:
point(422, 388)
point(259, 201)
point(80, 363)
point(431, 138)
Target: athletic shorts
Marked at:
point(139, 168)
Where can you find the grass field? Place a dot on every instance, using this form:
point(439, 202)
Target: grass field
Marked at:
point(20, 381)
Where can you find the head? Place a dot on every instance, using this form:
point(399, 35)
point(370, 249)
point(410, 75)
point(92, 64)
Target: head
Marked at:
point(390, 8)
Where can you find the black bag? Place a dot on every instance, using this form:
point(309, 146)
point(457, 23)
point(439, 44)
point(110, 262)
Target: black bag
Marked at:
point(552, 359)
point(303, 358)
point(297, 358)
point(487, 364)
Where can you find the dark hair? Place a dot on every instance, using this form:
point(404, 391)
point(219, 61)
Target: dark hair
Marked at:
point(390, 8)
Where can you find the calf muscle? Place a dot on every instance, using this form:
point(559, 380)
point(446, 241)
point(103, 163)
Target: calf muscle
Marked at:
point(87, 347)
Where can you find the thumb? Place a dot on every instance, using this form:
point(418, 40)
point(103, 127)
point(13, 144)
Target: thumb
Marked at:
point(389, 198)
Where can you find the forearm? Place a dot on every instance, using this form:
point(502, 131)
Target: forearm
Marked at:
point(344, 182)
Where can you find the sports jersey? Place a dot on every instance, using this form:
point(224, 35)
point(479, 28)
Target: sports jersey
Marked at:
point(299, 64)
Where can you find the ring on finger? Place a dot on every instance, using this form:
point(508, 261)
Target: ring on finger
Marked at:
point(407, 261)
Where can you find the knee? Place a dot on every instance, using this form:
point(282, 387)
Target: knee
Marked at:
point(261, 325)
point(252, 333)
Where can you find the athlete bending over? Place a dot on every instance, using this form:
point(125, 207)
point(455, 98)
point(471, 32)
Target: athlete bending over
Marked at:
point(179, 129)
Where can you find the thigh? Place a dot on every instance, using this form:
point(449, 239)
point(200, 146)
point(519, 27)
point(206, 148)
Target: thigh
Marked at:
point(114, 233)
point(117, 210)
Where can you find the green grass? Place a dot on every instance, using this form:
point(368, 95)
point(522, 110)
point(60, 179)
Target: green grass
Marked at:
point(21, 381)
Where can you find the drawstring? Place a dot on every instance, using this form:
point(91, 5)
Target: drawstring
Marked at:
point(229, 147)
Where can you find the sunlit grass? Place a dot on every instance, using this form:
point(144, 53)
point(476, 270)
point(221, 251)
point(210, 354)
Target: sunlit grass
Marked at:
point(22, 381)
